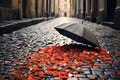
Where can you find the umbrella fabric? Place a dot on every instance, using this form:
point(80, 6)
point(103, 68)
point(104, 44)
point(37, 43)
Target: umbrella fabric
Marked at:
point(78, 32)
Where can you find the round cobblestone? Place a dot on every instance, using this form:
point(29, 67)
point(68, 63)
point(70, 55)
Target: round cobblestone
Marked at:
point(20, 43)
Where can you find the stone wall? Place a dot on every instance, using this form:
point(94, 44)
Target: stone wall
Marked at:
point(117, 18)
point(18, 9)
point(5, 3)
point(8, 14)
point(64, 8)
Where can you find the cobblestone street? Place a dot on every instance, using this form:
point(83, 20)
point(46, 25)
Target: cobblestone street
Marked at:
point(43, 34)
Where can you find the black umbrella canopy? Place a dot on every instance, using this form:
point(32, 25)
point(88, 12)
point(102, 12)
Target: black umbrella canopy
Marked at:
point(78, 32)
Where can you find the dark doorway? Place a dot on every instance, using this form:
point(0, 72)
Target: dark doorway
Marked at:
point(24, 5)
point(111, 5)
point(65, 14)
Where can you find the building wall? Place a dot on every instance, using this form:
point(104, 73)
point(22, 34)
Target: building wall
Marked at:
point(118, 3)
point(88, 7)
point(52, 7)
point(65, 8)
point(33, 12)
point(56, 7)
point(101, 4)
point(39, 10)
point(4, 2)
point(81, 6)
point(92, 9)
point(30, 8)
point(117, 15)
point(15, 4)
point(101, 10)
point(42, 5)
point(74, 8)
point(10, 9)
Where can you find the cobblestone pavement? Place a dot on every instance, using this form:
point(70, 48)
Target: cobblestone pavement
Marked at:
point(43, 34)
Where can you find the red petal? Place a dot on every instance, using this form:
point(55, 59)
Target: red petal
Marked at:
point(30, 77)
point(22, 46)
point(110, 62)
point(119, 53)
point(118, 73)
point(7, 62)
point(96, 65)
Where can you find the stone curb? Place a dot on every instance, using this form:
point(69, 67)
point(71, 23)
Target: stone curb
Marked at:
point(8, 28)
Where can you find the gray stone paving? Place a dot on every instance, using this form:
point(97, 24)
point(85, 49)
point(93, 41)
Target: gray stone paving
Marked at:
point(43, 34)
point(108, 38)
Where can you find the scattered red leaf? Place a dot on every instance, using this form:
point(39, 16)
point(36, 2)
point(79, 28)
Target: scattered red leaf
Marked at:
point(106, 59)
point(7, 62)
point(118, 73)
point(63, 75)
point(110, 62)
point(58, 61)
point(119, 53)
point(22, 46)
point(31, 77)
point(96, 65)
point(36, 68)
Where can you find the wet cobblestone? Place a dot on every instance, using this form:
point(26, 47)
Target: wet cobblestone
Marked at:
point(108, 38)
point(20, 43)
